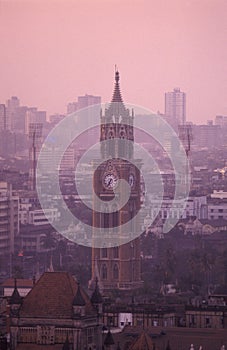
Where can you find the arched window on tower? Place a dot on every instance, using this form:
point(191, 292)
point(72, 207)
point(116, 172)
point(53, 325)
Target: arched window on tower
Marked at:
point(111, 141)
point(104, 272)
point(115, 218)
point(104, 252)
point(106, 218)
point(122, 143)
point(115, 252)
point(115, 272)
point(131, 216)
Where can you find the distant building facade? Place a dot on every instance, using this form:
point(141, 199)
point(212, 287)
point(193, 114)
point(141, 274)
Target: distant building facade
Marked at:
point(175, 105)
point(12, 106)
point(206, 136)
point(221, 120)
point(3, 118)
point(83, 102)
point(9, 222)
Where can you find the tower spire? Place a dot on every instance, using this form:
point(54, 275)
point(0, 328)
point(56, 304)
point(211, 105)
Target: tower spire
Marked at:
point(117, 92)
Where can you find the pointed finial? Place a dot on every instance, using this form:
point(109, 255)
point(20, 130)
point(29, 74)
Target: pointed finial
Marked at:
point(117, 77)
point(15, 283)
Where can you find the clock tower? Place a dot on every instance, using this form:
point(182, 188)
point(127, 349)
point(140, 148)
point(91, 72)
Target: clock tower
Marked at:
point(118, 266)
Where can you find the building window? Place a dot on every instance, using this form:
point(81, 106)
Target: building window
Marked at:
point(115, 272)
point(104, 252)
point(110, 320)
point(106, 220)
point(115, 252)
point(207, 322)
point(115, 217)
point(104, 272)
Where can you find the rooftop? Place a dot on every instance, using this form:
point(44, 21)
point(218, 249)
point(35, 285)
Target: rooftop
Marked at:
point(52, 297)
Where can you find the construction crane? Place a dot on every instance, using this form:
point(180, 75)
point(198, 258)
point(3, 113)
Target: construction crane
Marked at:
point(35, 133)
point(185, 135)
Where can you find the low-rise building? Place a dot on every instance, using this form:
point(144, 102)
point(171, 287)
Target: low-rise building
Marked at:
point(206, 316)
point(56, 312)
point(38, 217)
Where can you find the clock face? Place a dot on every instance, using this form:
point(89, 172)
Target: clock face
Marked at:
point(110, 181)
point(131, 180)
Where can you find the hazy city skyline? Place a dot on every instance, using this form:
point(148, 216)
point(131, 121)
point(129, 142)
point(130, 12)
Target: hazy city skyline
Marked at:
point(54, 51)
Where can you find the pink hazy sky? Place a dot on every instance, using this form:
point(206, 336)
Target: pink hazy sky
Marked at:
point(52, 51)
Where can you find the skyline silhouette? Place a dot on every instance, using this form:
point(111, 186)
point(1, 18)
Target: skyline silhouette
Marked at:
point(52, 52)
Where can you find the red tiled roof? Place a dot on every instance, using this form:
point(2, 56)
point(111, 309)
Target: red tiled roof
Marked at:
point(52, 297)
point(21, 283)
point(178, 337)
point(39, 347)
point(143, 342)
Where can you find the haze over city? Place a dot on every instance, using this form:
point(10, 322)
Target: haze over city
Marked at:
point(53, 51)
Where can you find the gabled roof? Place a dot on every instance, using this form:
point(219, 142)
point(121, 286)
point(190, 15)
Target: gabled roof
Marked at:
point(15, 298)
point(78, 299)
point(143, 342)
point(96, 297)
point(66, 345)
point(109, 339)
point(52, 297)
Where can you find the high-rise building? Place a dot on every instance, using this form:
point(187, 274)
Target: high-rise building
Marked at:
point(11, 111)
point(19, 121)
point(34, 116)
point(3, 121)
point(9, 220)
point(175, 106)
point(206, 136)
point(117, 267)
point(83, 102)
point(71, 107)
point(221, 120)
point(87, 100)
point(54, 119)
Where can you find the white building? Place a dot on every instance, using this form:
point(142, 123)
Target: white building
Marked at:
point(217, 210)
point(24, 207)
point(38, 217)
point(194, 206)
